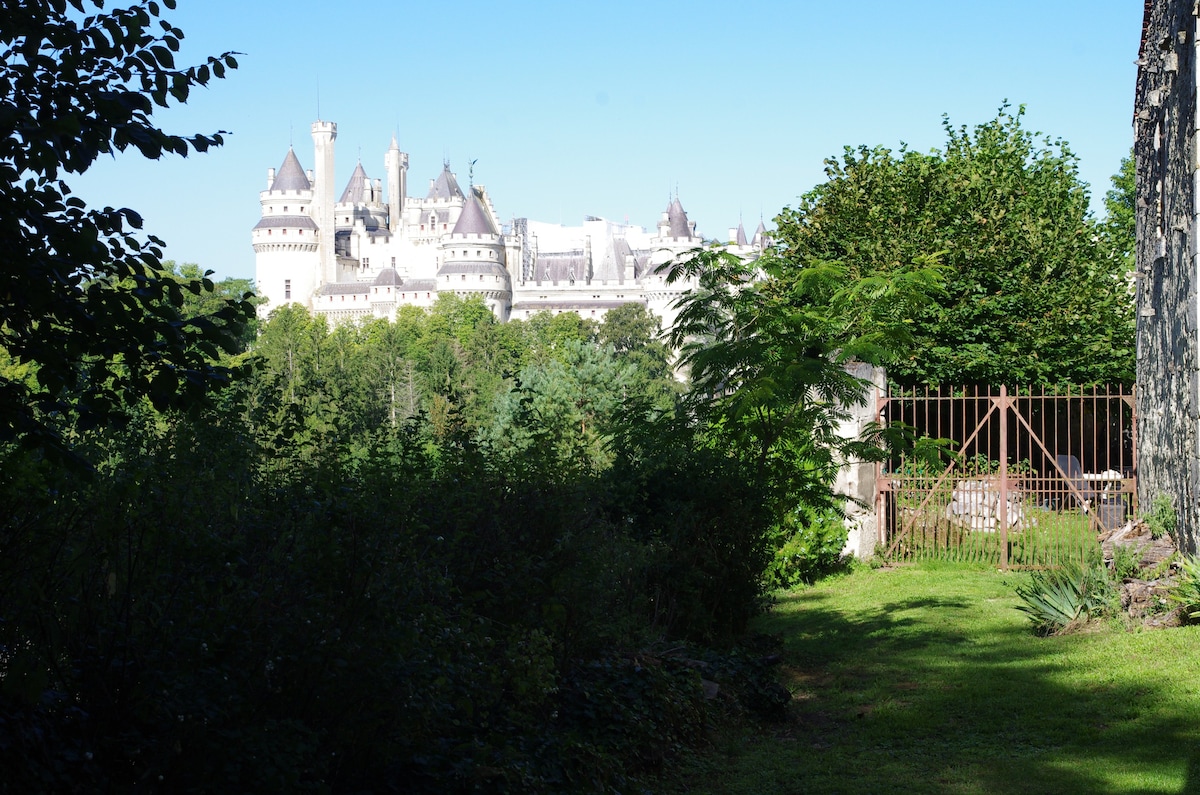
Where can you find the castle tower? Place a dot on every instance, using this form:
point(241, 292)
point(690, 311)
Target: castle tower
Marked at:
point(395, 164)
point(676, 236)
point(285, 239)
point(473, 258)
point(324, 133)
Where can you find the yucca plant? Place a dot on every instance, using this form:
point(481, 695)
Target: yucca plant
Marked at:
point(1059, 600)
point(1187, 593)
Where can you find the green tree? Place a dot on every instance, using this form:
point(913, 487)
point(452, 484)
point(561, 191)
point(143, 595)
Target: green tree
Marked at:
point(635, 334)
point(84, 298)
point(215, 296)
point(1034, 294)
point(567, 408)
point(767, 345)
point(1120, 222)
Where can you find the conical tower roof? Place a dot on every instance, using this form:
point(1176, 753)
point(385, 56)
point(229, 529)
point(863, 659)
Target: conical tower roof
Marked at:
point(446, 186)
point(741, 235)
point(356, 187)
point(474, 219)
point(290, 175)
point(678, 219)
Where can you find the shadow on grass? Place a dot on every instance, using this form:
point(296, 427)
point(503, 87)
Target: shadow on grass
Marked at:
point(922, 694)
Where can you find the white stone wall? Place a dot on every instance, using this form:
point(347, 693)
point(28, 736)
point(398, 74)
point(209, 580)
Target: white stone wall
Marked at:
point(857, 480)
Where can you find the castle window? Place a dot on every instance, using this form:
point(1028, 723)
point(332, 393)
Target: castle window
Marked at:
point(422, 227)
point(481, 277)
point(366, 262)
point(443, 227)
point(478, 253)
point(284, 232)
point(285, 208)
point(287, 289)
point(464, 277)
point(393, 262)
point(426, 295)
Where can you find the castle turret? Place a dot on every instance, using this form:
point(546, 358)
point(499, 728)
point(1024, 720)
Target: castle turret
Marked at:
point(324, 133)
point(760, 241)
point(473, 258)
point(395, 163)
point(285, 239)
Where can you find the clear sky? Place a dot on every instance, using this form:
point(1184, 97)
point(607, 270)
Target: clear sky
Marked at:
point(607, 108)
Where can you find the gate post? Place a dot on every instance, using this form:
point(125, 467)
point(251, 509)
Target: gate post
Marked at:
point(1002, 507)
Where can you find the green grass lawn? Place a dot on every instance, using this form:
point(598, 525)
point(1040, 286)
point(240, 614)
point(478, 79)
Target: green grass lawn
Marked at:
point(924, 678)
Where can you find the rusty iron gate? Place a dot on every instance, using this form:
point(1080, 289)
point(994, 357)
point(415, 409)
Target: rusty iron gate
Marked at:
point(1026, 478)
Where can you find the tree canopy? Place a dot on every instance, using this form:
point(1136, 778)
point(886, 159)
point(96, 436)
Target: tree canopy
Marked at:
point(90, 319)
point(1035, 292)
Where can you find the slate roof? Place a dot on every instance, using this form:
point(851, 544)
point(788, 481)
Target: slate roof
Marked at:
point(286, 221)
point(760, 236)
point(343, 288)
point(557, 267)
point(387, 277)
point(741, 235)
point(445, 186)
point(493, 268)
point(474, 220)
point(290, 175)
point(356, 187)
point(419, 284)
point(678, 219)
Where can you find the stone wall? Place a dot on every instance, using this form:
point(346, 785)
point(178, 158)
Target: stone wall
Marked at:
point(1165, 154)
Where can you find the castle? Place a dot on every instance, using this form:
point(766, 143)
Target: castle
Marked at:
point(371, 252)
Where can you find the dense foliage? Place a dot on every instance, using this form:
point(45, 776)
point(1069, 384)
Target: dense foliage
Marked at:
point(1035, 290)
point(441, 554)
point(89, 318)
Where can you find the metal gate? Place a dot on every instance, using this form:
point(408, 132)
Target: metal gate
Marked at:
point(1027, 478)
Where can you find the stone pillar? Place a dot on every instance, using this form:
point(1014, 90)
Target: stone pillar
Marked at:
point(857, 479)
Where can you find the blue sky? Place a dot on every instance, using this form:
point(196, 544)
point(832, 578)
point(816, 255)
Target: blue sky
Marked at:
point(607, 108)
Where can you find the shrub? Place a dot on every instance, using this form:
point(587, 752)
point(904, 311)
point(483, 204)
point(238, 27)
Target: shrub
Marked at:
point(807, 550)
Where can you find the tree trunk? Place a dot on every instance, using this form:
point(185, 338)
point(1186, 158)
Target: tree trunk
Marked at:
point(1164, 150)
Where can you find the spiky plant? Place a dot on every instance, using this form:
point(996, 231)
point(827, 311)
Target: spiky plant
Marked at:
point(1059, 600)
point(1187, 593)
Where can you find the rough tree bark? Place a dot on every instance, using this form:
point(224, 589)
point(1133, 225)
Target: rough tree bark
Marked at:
point(1165, 153)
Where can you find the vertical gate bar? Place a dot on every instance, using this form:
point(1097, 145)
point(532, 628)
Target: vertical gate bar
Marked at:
point(1002, 507)
point(1134, 459)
